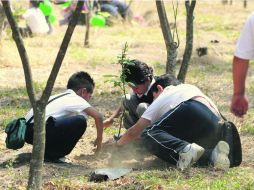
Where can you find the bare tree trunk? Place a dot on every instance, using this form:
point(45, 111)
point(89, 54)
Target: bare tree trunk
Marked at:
point(88, 15)
point(35, 173)
point(171, 46)
point(2, 18)
point(189, 40)
point(22, 51)
point(245, 3)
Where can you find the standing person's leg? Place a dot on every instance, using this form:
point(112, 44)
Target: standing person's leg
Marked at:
point(62, 134)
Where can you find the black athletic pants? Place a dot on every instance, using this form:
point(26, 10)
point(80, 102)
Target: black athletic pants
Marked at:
point(62, 134)
point(189, 122)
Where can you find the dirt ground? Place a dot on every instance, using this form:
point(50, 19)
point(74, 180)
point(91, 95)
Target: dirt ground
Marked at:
point(14, 165)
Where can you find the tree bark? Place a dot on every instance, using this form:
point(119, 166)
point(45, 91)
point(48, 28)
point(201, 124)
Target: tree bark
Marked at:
point(61, 53)
point(88, 15)
point(2, 18)
point(39, 133)
point(35, 173)
point(171, 46)
point(22, 51)
point(189, 40)
point(245, 3)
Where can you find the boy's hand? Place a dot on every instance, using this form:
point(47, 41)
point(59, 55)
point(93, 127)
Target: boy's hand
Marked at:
point(107, 123)
point(97, 144)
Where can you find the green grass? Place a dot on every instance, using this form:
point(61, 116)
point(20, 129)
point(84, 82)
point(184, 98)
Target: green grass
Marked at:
point(198, 179)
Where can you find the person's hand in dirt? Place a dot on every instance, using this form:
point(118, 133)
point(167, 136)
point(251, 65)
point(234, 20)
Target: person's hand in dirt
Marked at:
point(110, 143)
point(97, 144)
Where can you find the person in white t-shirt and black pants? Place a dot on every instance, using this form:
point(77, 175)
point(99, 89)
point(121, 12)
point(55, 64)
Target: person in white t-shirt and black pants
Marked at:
point(182, 127)
point(66, 118)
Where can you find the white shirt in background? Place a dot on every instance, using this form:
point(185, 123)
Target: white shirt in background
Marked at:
point(36, 21)
point(245, 44)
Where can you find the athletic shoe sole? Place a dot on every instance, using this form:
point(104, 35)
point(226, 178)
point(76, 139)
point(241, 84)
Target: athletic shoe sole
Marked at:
point(219, 156)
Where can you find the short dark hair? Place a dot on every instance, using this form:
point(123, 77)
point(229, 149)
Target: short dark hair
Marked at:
point(164, 80)
point(137, 72)
point(35, 3)
point(80, 80)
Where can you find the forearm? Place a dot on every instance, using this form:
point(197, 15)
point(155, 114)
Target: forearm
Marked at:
point(240, 68)
point(116, 113)
point(99, 127)
point(127, 137)
point(134, 132)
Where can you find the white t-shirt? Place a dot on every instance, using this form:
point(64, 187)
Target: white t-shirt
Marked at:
point(36, 21)
point(171, 97)
point(70, 104)
point(245, 44)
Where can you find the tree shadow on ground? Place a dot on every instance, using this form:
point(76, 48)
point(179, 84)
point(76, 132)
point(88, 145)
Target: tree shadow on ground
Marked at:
point(16, 161)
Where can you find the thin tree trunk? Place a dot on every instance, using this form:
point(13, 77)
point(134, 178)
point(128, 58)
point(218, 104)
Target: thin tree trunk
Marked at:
point(35, 173)
point(39, 137)
point(189, 40)
point(22, 51)
point(171, 46)
point(61, 53)
point(224, 2)
point(2, 18)
point(245, 3)
point(88, 15)
point(36, 162)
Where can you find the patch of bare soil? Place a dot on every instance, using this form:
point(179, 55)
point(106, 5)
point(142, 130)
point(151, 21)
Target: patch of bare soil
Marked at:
point(14, 165)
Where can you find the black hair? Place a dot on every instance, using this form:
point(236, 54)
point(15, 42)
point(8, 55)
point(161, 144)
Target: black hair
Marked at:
point(164, 80)
point(35, 3)
point(80, 80)
point(137, 72)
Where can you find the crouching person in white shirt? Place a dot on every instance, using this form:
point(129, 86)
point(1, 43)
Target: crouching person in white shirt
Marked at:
point(182, 127)
point(66, 115)
point(35, 21)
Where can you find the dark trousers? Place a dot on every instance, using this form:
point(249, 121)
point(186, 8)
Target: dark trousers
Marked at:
point(62, 134)
point(189, 122)
point(25, 32)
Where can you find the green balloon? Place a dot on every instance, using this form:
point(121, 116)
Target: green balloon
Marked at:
point(52, 18)
point(46, 7)
point(98, 20)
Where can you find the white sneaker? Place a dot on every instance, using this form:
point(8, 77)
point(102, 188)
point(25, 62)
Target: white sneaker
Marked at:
point(189, 155)
point(219, 156)
point(64, 160)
